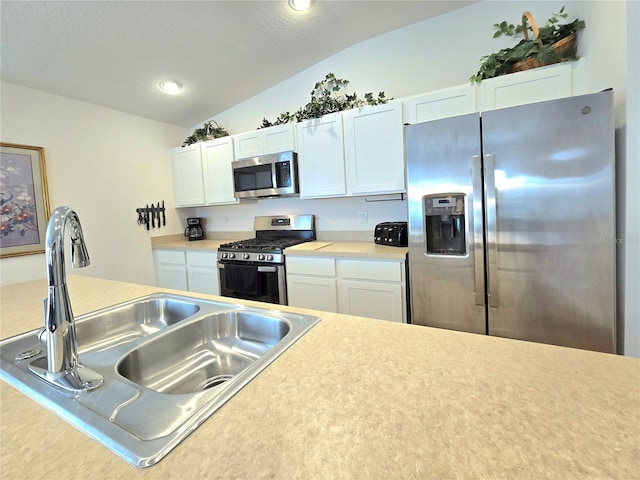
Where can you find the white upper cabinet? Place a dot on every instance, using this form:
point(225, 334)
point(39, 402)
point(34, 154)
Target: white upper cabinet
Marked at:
point(276, 139)
point(202, 173)
point(217, 156)
point(374, 149)
point(321, 157)
point(529, 86)
point(448, 102)
point(188, 184)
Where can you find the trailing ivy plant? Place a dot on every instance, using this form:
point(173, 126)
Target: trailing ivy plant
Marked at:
point(326, 98)
point(209, 131)
point(501, 62)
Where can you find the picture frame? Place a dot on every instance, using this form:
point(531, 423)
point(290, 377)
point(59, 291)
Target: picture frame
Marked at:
point(24, 201)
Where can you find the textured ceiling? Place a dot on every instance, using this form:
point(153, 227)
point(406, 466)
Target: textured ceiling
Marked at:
point(114, 53)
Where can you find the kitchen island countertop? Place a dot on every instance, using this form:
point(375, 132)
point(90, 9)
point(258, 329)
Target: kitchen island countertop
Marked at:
point(358, 398)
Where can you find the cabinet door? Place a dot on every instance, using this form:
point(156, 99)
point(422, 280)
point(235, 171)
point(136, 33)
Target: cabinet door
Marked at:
point(279, 138)
point(248, 144)
point(371, 299)
point(374, 149)
point(321, 157)
point(317, 293)
point(537, 85)
point(203, 280)
point(448, 102)
point(217, 156)
point(202, 272)
point(186, 166)
point(171, 269)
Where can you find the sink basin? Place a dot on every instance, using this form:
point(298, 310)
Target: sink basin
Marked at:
point(130, 321)
point(168, 361)
point(203, 354)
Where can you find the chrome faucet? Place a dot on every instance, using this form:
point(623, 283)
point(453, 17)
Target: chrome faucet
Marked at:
point(61, 366)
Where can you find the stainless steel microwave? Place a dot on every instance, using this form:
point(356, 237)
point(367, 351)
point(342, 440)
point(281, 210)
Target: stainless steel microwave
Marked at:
point(266, 176)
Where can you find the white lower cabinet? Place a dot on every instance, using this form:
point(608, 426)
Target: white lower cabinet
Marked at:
point(202, 272)
point(190, 271)
point(363, 287)
point(373, 288)
point(311, 283)
point(171, 269)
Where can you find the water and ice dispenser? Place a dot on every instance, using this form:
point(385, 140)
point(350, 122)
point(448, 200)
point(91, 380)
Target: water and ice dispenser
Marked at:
point(445, 224)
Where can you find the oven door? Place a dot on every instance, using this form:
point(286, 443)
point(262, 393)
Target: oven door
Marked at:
point(253, 281)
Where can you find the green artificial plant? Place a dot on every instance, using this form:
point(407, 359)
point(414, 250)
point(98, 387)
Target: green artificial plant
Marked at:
point(326, 98)
point(209, 131)
point(541, 47)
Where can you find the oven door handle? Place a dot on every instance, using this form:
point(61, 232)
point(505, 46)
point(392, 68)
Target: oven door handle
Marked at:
point(266, 269)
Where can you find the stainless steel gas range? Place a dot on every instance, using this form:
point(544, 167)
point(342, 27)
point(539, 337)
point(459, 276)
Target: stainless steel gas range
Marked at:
point(253, 269)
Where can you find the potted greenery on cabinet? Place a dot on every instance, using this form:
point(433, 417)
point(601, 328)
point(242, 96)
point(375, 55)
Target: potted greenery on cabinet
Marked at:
point(553, 43)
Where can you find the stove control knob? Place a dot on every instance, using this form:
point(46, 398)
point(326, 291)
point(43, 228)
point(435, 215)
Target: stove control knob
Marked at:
point(245, 256)
point(261, 256)
point(232, 255)
point(224, 255)
point(269, 257)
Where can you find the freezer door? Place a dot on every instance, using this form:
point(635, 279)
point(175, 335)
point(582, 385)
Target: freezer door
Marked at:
point(447, 286)
point(549, 173)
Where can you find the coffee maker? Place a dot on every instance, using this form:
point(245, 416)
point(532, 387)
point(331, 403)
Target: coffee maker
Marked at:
point(194, 229)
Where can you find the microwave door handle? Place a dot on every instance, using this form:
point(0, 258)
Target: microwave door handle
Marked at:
point(274, 176)
point(477, 227)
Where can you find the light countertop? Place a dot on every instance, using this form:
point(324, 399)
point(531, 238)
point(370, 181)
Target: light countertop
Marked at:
point(358, 398)
point(367, 250)
point(327, 248)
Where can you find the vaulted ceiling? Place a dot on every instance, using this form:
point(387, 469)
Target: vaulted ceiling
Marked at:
point(114, 53)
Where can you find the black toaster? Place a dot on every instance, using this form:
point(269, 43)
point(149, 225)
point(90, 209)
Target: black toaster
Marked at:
point(391, 233)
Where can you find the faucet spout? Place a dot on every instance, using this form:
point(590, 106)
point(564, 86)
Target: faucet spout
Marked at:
point(61, 366)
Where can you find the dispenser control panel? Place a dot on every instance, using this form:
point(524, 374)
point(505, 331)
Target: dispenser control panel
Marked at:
point(449, 205)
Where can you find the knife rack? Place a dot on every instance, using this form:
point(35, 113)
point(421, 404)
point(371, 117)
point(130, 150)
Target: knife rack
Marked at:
point(152, 216)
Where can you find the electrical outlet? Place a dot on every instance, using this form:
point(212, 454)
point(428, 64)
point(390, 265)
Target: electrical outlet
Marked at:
point(363, 216)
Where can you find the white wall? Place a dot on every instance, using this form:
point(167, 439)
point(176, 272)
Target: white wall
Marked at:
point(103, 164)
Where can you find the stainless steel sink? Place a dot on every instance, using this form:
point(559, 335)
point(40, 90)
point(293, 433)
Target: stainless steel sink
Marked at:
point(168, 361)
point(130, 321)
point(203, 354)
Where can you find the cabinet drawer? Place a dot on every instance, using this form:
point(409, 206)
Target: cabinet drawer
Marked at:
point(202, 259)
point(170, 256)
point(370, 270)
point(311, 266)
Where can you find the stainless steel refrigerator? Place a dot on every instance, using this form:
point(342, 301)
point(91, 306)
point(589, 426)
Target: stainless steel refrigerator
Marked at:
point(512, 222)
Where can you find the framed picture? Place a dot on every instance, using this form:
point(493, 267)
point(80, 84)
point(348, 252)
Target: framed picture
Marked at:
point(24, 203)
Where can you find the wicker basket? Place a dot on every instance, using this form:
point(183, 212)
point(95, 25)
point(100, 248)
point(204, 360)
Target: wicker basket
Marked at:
point(563, 48)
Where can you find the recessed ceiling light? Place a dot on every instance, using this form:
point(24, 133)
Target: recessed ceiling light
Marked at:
point(300, 5)
point(172, 87)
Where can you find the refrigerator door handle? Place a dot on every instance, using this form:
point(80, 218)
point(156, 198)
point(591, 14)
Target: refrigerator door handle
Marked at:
point(478, 237)
point(492, 232)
